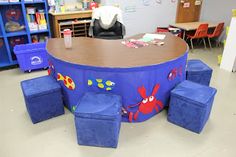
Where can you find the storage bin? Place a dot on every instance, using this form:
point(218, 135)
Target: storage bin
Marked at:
point(190, 105)
point(198, 72)
point(3, 1)
point(43, 98)
point(97, 120)
point(31, 56)
point(234, 12)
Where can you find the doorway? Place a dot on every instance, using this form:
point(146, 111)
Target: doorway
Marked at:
point(188, 11)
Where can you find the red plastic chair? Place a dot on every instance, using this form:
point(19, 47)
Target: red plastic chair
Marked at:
point(162, 29)
point(201, 33)
point(217, 32)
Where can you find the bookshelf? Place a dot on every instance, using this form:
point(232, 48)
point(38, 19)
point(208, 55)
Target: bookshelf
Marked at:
point(16, 27)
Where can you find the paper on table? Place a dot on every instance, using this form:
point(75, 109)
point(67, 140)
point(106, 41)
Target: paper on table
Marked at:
point(154, 36)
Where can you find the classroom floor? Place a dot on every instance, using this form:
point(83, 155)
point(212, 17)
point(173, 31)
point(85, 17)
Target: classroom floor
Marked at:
point(155, 137)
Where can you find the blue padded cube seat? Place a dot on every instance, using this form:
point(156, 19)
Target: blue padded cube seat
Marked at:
point(97, 120)
point(190, 105)
point(43, 98)
point(198, 72)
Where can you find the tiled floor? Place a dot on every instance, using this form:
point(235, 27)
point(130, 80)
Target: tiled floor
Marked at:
point(155, 137)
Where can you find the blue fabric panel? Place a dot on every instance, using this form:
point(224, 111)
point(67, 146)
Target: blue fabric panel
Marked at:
point(198, 72)
point(43, 98)
point(96, 132)
point(190, 105)
point(127, 82)
point(99, 106)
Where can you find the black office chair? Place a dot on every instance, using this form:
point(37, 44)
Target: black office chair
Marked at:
point(114, 32)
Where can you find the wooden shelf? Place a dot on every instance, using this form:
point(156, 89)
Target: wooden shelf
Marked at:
point(78, 28)
point(70, 20)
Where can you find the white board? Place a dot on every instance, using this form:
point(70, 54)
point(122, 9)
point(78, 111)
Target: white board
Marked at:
point(229, 54)
point(142, 16)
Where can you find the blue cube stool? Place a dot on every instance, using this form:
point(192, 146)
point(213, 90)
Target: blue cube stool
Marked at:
point(198, 72)
point(97, 120)
point(43, 98)
point(190, 105)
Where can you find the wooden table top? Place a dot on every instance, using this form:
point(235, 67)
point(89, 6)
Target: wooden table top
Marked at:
point(113, 54)
point(192, 25)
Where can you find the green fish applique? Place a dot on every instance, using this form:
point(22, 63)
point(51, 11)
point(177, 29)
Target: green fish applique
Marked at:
point(101, 83)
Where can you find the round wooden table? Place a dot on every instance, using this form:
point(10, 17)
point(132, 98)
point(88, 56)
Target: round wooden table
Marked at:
point(143, 77)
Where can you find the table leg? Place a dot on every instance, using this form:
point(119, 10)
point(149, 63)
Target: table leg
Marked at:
point(184, 34)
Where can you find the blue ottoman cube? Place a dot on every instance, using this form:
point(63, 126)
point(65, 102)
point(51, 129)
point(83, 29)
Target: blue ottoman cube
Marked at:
point(98, 119)
point(43, 98)
point(198, 72)
point(190, 105)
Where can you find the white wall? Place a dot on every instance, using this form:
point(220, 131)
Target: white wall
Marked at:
point(217, 11)
point(145, 15)
point(142, 16)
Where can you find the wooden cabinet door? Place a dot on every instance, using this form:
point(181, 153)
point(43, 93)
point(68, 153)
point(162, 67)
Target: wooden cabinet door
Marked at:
point(188, 11)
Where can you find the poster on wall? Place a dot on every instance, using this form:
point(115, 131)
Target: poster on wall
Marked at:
point(186, 5)
point(158, 1)
point(198, 2)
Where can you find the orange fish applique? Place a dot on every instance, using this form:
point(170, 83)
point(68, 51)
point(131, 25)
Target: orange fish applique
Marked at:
point(68, 82)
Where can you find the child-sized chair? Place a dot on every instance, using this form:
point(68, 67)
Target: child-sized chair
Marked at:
point(217, 32)
point(201, 33)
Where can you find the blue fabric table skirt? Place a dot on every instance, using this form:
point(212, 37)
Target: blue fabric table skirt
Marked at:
point(145, 91)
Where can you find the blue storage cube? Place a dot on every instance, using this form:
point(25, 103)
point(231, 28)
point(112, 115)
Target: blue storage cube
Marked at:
point(43, 98)
point(190, 105)
point(97, 120)
point(198, 72)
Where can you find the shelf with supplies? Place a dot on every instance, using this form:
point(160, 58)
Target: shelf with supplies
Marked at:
point(19, 33)
point(61, 21)
point(21, 22)
point(78, 28)
point(8, 3)
point(39, 31)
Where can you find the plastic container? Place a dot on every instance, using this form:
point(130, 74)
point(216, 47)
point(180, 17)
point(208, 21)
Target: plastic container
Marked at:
point(93, 5)
point(67, 38)
point(31, 56)
point(234, 12)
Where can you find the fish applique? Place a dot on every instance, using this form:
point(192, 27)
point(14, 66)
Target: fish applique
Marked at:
point(101, 83)
point(51, 68)
point(68, 82)
point(73, 108)
point(174, 73)
point(1, 43)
